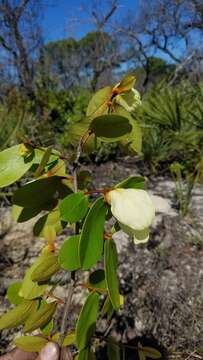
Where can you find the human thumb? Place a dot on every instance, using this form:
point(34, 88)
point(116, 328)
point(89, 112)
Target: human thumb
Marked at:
point(49, 352)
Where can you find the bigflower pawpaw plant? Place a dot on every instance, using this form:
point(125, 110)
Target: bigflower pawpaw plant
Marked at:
point(59, 199)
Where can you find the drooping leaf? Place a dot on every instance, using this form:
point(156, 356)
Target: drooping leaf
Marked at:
point(18, 315)
point(110, 127)
point(69, 255)
point(74, 207)
point(13, 165)
point(97, 280)
point(110, 265)
point(30, 289)
point(91, 239)
point(113, 349)
point(87, 321)
point(129, 101)
point(12, 293)
point(48, 267)
point(31, 343)
point(41, 317)
point(98, 105)
point(132, 182)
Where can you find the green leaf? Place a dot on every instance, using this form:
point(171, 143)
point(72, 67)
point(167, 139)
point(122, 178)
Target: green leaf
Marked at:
point(68, 254)
point(98, 105)
point(12, 293)
point(110, 265)
point(18, 315)
point(113, 350)
point(47, 329)
point(110, 127)
point(30, 289)
point(41, 317)
point(87, 321)
point(44, 161)
point(69, 339)
point(127, 83)
point(13, 165)
point(97, 280)
point(51, 219)
point(91, 239)
point(48, 267)
point(132, 182)
point(149, 352)
point(133, 140)
point(21, 214)
point(107, 309)
point(74, 207)
point(30, 195)
point(31, 343)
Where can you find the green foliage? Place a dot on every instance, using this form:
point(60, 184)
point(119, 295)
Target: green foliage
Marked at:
point(69, 255)
point(87, 321)
point(61, 200)
point(74, 207)
point(31, 343)
point(91, 238)
point(110, 264)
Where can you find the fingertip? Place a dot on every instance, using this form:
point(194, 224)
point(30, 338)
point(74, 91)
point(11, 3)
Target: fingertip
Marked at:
point(49, 352)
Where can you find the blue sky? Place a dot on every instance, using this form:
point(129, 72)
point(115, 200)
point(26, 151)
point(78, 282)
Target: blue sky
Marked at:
point(64, 18)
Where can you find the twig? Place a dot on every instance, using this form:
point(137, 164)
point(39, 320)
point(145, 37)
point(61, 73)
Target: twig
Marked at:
point(71, 287)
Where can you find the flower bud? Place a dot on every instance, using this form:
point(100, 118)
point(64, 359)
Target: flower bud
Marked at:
point(134, 210)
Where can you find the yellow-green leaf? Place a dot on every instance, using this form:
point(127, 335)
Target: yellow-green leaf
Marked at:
point(48, 267)
point(31, 343)
point(12, 293)
point(30, 289)
point(13, 165)
point(98, 105)
point(18, 315)
point(41, 317)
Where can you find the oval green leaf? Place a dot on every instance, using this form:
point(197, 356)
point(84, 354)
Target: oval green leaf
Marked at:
point(18, 315)
point(87, 321)
point(74, 207)
point(30, 289)
point(48, 267)
point(30, 195)
point(132, 182)
point(13, 165)
point(110, 126)
point(68, 254)
point(110, 265)
point(12, 293)
point(41, 317)
point(98, 105)
point(91, 239)
point(31, 343)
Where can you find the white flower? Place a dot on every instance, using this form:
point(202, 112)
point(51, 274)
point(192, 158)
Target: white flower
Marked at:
point(134, 210)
